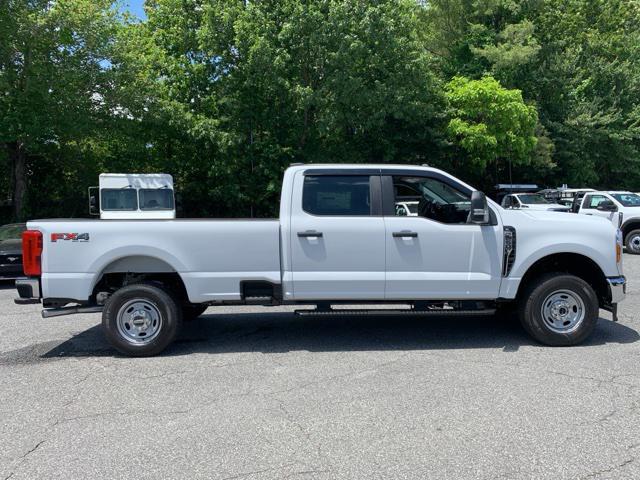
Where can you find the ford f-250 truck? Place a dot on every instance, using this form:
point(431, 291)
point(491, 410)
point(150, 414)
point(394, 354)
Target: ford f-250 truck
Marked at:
point(622, 208)
point(338, 240)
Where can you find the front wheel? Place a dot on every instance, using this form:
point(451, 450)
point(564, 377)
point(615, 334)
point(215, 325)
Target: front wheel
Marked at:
point(632, 242)
point(559, 309)
point(141, 320)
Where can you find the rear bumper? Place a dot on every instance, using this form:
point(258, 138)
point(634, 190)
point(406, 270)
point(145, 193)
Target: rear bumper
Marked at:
point(28, 291)
point(617, 289)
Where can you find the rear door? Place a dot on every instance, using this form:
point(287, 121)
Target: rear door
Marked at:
point(337, 235)
point(438, 254)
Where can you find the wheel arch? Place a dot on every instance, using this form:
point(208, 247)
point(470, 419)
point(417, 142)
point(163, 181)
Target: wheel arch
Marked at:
point(571, 263)
point(136, 268)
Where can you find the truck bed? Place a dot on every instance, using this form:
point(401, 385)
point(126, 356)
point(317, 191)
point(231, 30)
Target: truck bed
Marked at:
point(211, 256)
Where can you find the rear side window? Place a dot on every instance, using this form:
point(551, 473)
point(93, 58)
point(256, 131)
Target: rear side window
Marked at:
point(156, 199)
point(337, 195)
point(119, 199)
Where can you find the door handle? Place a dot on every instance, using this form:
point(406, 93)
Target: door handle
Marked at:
point(404, 234)
point(310, 234)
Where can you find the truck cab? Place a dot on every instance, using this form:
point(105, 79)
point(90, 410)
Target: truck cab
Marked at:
point(621, 208)
point(127, 196)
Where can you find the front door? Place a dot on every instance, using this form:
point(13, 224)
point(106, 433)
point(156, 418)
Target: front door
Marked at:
point(590, 206)
point(337, 237)
point(438, 254)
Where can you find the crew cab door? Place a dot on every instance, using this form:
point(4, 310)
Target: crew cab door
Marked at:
point(438, 254)
point(337, 236)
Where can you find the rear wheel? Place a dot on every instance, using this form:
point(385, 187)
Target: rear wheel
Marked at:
point(141, 320)
point(632, 242)
point(559, 309)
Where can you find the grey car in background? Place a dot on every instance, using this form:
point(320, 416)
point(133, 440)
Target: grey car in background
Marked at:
point(11, 251)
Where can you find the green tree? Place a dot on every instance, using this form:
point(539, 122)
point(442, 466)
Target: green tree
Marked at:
point(489, 123)
point(52, 80)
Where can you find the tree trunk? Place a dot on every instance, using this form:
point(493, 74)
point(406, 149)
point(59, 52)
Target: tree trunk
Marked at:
point(17, 158)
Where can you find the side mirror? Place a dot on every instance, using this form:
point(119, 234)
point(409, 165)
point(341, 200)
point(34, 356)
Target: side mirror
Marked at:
point(479, 209)
point(607, 206)
point(94, 201)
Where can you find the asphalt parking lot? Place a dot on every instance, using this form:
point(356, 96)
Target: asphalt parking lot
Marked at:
point(248, 396)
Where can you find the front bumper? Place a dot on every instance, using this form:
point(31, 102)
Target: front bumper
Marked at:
point(28, 291)
point(617, 289)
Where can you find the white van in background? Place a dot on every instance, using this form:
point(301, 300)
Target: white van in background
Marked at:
point(122, 196)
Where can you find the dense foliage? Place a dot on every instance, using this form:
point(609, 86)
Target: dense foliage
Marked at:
point(224, 94)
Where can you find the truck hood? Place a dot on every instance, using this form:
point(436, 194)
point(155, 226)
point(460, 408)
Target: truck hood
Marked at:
point(546, 207)
point(561, 221)
point(543, 233)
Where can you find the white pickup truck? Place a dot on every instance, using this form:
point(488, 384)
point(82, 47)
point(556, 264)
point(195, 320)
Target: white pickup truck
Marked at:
point(621, 208)
point(338, 240)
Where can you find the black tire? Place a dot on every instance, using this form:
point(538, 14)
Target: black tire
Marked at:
point(632, 242)
point(192, 311)
point(540, 291)
point(162, 306)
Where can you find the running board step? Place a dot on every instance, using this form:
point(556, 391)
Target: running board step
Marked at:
point(59, 311)
point(383, 312)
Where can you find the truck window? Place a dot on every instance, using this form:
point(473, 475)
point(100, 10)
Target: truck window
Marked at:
point(336, 195)
point(592, 201)
point(119, 199)
point(436, 199)
point(156, 199)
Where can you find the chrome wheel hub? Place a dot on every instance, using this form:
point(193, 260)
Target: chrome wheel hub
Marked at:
point(563, 311)
point(635, 243)
point(139, 321)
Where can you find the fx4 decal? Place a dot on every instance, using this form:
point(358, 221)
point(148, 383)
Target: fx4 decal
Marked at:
point(74, 237)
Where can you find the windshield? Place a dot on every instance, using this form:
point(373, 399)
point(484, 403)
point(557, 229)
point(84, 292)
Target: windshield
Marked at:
point(12, 232)
point(627, 199)
point(532, 199)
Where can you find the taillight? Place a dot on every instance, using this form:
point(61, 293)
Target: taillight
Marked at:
point(32, 253)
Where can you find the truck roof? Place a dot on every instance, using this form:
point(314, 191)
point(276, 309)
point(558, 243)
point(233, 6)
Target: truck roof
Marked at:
point(135, 180)
point(611, 192)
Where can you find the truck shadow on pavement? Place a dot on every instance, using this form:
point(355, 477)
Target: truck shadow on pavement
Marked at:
point(285, 332)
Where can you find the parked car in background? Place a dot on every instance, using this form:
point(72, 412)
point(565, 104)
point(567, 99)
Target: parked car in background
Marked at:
point(407, 209)
point(11, 251)
point(503, 189)
point(533, 201)
point(611, 205)
point(568, 195)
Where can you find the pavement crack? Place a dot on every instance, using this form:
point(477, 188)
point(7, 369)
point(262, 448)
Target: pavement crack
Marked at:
point(597, 473)
point(37, 445)
point(304, 472)
point(257, 472)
